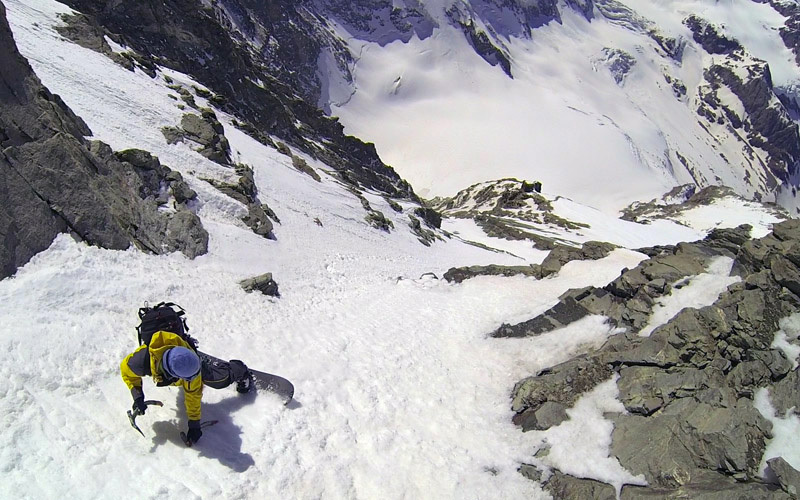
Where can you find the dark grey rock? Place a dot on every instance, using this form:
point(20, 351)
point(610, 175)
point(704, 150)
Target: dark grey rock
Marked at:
point(182, 192)
point(258, 220)
point(427, 237)
point(245, 191)
point(709, 38)
point(691, 429)
point(262, 283)
point(785, 393)
point(54, 181)
point(376, 219)
point(531, 472)
point(686, 435)
point(562, 254)
point(563, 486)
point(431, 217)
point(303, 166)
point(563, 385)
point(787, 476)
point(459, 274)
point(701, 484)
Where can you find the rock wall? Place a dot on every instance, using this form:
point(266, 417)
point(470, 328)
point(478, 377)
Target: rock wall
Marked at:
point(54, 181)
point(691, 429)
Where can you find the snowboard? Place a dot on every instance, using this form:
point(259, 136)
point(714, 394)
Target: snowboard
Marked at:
point(263, 381)
point(273, 383)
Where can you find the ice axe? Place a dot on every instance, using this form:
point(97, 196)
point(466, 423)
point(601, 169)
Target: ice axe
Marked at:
point(132, 414)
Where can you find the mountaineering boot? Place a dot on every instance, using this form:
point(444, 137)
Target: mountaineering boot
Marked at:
point(242, 376)
point(245, 385)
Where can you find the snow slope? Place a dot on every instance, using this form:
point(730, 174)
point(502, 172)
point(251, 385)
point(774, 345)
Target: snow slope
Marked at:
point(399, 392)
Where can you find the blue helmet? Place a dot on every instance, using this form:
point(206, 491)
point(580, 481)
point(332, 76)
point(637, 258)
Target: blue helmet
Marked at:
point(181, 362)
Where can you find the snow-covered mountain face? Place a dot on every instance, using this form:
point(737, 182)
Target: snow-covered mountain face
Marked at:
point(165, 150)
point(606, 101)
point(603, 101)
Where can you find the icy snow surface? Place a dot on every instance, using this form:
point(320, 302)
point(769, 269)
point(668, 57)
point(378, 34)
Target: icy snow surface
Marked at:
point(400, 393)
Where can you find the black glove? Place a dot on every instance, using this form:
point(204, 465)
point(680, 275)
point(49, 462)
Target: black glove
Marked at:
point(138, 405)
point(194, 431)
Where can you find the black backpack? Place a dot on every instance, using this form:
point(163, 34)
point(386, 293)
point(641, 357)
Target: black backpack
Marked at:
point(163, 317)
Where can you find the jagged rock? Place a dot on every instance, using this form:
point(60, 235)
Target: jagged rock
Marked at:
point(262, 283)
point(431, 217)
point(425, 236)
point(687, 435)
point(730, 239)
point(785, 393)
point(563, 385)
point(564, 486)
point(562, 254)
point(787, 476)
point(459, 274)
point(788, 230)
point(303, 166)
point(245, 191)
point(702, 484)
point(200, 41)
point(182, 192)
point(689, 386)
point(549, 414)
point(54, 181)
point(204, 130)
point(619, 63)
point(628, 300)
point(498, 228)
point(553, 263)
point(709, 38)
point(531, 472)
point(645, 389)
point(379, 221)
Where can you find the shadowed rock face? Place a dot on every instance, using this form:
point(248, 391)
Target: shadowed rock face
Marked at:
point(691, 427)
point(54, 181)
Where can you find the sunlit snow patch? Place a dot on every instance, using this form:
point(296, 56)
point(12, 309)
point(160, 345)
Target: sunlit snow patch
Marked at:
point(580, 446)
point(729, 212)
point(790, 329)
point(784, 432)
point(695, 291)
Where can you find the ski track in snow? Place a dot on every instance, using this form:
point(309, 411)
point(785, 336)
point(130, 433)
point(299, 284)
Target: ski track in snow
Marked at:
point(399, 391)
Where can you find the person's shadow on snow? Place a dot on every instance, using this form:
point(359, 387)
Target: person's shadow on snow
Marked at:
point(221, 441)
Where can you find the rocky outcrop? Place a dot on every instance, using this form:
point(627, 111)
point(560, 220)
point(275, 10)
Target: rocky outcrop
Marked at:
point(790, 32)
point(691, 427)
point(555, 260)
point(710, 39)
point(684, 198)
point(206, 131)
point(55, 181)
point(787, 476)
point(765, 124)
point(262, 283)
point(509, 209)
point(245, 191)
